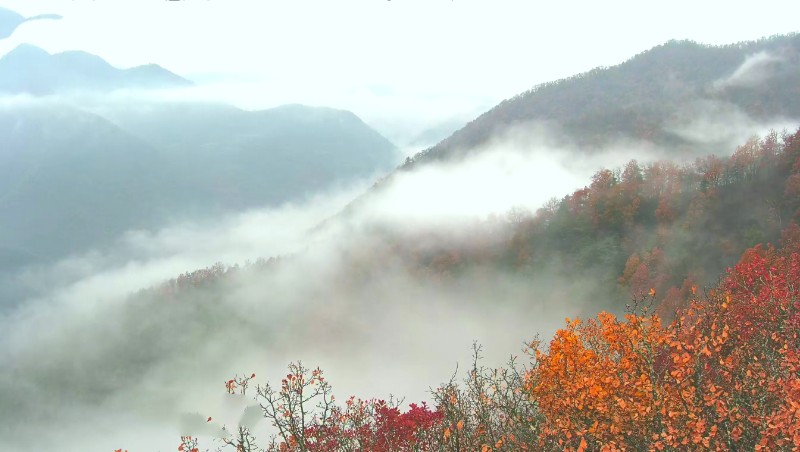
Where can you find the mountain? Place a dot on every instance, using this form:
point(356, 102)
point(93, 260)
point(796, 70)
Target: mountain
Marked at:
point(30, 70)
point(69, 178)
point(649, 97)
point(72, 179)
point(243, 159)
point(10, 20)
point(661, 224)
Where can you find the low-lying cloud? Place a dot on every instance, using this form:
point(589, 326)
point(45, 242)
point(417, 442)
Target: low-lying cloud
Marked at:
point(754, 71)
point(721, 125)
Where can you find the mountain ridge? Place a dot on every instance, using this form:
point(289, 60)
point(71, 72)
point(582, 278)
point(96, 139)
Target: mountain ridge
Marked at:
point(28, 69)
point(639, 96)
point(158, 165)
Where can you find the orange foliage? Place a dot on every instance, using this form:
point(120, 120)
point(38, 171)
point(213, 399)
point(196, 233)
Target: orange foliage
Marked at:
point(598, 383)
point(724, 375)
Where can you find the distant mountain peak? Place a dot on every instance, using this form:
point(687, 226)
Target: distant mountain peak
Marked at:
point(28, 69)
point(25, 49)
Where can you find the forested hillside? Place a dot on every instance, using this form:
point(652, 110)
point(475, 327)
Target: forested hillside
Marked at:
point(665, 226)
point(652, 97)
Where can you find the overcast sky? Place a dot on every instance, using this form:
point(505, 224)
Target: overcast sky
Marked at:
point(426, 59)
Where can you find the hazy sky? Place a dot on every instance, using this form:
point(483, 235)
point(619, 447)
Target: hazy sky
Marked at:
point(424, 59)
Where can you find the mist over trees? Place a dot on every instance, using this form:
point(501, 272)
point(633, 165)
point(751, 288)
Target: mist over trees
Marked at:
point(669, 243)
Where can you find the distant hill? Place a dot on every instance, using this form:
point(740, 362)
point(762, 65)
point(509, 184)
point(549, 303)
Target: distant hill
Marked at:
point(30, 70)
point(240, 159)
point(649, 96)
point(72, 179)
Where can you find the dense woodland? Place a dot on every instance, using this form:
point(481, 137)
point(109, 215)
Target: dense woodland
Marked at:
point(666, 226)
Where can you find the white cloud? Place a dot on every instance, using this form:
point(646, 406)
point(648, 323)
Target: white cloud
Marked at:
point(721, 124)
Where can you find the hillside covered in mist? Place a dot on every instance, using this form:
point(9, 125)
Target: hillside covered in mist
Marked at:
point(680, 94)
point(75, 179)
point(621, 195)
point(90, 153)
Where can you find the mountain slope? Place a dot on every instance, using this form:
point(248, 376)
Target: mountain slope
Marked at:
point(71, 180)
point(660, 226)
point(649, 96)
point(246, 159)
